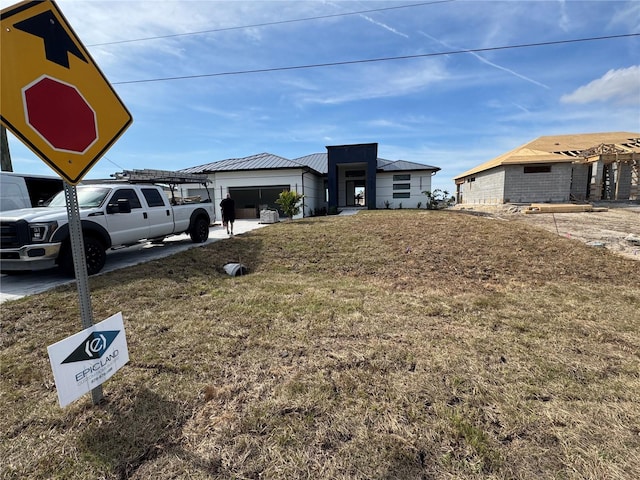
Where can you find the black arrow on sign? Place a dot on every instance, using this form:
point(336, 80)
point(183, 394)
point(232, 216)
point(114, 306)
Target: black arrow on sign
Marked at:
point(57, 42)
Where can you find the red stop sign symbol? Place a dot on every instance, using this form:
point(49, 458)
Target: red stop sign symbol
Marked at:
point(59, 113)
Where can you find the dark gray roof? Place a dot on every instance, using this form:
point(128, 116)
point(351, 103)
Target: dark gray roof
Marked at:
point(315, 161)
point(403, 165)
point(260, 161)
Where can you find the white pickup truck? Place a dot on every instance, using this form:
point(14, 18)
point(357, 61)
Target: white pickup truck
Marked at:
point(112, 216)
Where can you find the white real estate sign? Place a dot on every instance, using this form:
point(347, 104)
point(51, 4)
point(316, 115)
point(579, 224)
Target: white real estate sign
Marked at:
point(87, 359)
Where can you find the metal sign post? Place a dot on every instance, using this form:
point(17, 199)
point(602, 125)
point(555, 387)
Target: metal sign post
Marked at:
point(80, 267)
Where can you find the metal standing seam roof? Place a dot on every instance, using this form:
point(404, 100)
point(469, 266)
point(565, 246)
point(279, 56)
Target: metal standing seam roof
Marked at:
point(315, 161)
point(402, 165)
point(260, 161)
point(558, 149)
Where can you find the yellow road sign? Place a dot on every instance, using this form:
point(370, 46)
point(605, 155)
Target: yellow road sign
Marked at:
point(53, 95)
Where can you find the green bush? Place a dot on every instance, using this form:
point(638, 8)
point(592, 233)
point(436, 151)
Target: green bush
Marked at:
point(289, 202)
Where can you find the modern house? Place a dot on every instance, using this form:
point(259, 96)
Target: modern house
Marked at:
point(561, 168)
point(346, 176)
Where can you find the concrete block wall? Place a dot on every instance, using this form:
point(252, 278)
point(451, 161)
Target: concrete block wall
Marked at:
point(624, 179)
point(486, 187)
point(580, 182)
point(554, 186)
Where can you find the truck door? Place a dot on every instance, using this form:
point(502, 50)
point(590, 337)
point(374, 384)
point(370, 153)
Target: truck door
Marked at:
point(127, 228)
point(160, 213)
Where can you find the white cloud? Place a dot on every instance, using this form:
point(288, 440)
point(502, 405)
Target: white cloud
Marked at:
point(487, 62)
point(620, 86)
point(355, 84)
point(563, 18)
point(626, 17)
point(386, 27)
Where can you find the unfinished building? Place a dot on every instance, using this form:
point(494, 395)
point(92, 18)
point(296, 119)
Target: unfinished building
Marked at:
point(562, 168)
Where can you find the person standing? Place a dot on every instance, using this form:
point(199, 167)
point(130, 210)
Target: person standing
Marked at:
point(228, 207)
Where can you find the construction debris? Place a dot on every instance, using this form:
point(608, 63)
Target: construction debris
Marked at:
point(633, 239)
point(561, 208)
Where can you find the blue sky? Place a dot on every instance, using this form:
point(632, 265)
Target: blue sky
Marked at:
point(452, 110)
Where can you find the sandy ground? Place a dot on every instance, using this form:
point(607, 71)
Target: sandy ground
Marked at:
point(617, 229)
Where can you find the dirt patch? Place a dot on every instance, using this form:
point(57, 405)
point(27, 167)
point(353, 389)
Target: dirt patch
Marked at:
point(616, 229)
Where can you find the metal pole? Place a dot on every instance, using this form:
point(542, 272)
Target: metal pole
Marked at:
point(80, 267)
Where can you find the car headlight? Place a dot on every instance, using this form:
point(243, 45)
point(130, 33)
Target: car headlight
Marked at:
point(40, 232)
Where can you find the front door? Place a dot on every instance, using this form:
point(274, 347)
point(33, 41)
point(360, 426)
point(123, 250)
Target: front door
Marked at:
point(355, 193)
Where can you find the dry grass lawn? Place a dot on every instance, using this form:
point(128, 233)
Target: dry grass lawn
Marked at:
point(385, 345)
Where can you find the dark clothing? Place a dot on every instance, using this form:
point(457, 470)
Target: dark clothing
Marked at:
point(228, 207)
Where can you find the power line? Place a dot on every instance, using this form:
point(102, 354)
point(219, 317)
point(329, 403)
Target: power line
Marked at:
point(266, 24)
point(382, 59)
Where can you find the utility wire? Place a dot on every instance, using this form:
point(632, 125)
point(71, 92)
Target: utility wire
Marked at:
point(382, 59)
point(280, 22)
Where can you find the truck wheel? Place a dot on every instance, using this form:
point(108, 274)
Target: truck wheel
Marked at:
point(95, 256)
point(200, 230)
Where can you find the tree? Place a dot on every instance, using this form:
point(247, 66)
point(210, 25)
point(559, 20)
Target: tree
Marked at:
point(288, 201)
point(438, 199)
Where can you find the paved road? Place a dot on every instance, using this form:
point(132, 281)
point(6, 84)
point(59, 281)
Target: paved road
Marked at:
point(13, 287)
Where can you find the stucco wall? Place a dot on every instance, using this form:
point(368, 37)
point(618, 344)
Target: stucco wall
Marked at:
point(223, 181)
point(314, 192)
point(420, 181)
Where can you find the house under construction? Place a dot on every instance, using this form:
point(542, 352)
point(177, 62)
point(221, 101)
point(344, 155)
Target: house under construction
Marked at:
point(563, 168)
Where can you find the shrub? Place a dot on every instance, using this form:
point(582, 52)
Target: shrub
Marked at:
point(288, 201)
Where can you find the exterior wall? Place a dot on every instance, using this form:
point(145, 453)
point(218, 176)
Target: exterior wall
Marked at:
point(420, 181)
point(223, 181)
point(484, 187)
point(596, 181)
point(624, 181)
point(554, 186)
point(580, 182)
point(306, 183)
point(314, 194)
point(340, 157)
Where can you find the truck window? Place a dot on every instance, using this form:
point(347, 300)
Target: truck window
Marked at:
point(153, 197)
point(126, 194)
point(88, 197)
point(42, 189)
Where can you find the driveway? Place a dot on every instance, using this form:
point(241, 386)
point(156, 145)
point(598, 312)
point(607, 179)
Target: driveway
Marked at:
point(13, 287)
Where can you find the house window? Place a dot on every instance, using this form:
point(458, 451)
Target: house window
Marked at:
point(402, 177)
point(401, 186)
point(402, 195)
point(538, 169)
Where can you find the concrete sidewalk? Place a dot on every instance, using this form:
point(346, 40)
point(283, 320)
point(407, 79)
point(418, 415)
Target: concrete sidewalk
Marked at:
point(13, 287)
